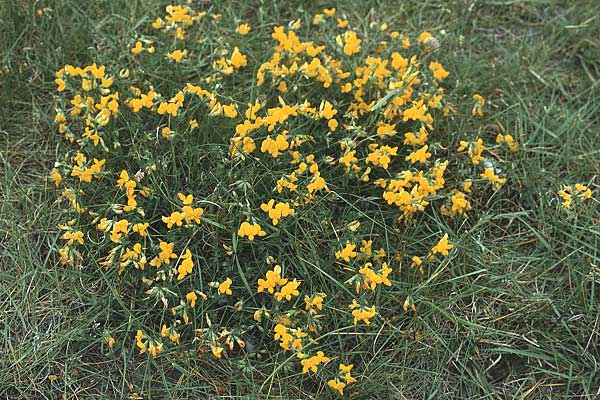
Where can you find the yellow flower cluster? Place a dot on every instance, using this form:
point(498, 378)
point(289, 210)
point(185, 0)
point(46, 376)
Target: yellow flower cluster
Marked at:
point(188, 213)
point(574, 193)
point(343, 379)
point(332, 118)
point(362, 313)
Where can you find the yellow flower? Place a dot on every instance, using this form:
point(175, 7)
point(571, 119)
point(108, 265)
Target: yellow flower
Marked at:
point(423, 36)
point(246, 229)
point(192, 214)
point(165, 255)
point(467, 184)
point(569, 193)
point(191, 297)
point(273, 278)
point(312, 363)
point(238, 60)
point(119, 229)
point(157, 24)
point(420, 155)
point(243, 29)
point(177, 55)
point(186, 265)
point(584, 191)
point(417, 112)
point(385, 130)
point(139, 341)
point(155, 348)
point(279, 211)
point(137, 48)
point(72, 237)
point(60, 118)
point(281, 334)
point(176, 218)
point(345, 369)
point(61, 84)
point(56, 177)
point(351, 43)
point(225, 287)
point(216, 350)
point(326, 110)
point(416, 262)
point(317, 19)
point(110, 341)
point(475, 150)
point(347, 252)
point(438, 70)
point(494, 179)
point(166, 132)
point(274, 146)
point(460, 204)
point(290, 289)
point(141, 229)
point(332, 124)
point(382, 156)
point(362, 313)
point(186, 200)
point(336, 385)
point(230, 111)
point(510, 142)
point(318, 183)
point(348, 159)
point(442, 246)
point(260, 313)
point(314, 302)
point(412, 139)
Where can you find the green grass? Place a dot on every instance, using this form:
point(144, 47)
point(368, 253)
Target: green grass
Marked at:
point(513, 314)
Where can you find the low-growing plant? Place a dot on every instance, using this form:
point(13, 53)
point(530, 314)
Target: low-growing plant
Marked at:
point(196, 194)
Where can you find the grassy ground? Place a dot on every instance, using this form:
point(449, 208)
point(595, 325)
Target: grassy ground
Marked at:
point(514, 314)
